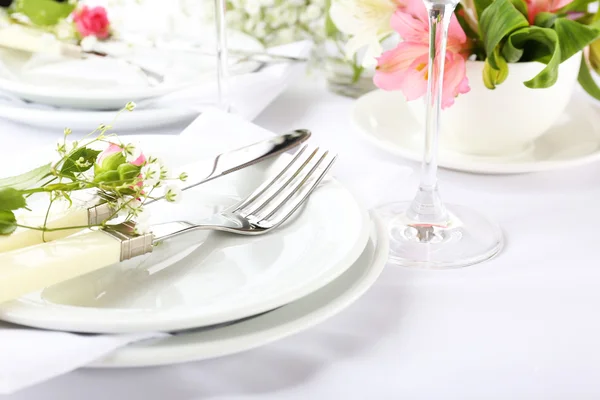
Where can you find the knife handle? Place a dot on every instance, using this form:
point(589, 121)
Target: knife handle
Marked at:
point(33, 268)
point(29, 237)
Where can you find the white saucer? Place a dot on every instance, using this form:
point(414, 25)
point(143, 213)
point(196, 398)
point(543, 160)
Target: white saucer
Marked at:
point(384, 119)
point(207, 278)
point(258, 331)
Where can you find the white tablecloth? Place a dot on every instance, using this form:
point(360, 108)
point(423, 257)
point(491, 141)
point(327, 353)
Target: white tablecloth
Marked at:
point(522, 326)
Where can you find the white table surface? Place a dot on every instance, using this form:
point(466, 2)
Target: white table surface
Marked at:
point(522, 326)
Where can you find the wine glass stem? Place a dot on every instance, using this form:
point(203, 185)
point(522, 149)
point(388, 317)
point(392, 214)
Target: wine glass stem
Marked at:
point(222, 56)
point(427, 207)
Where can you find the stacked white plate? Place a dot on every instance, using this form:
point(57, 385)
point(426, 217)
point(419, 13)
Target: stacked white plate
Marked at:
point(226, 293)
point(50, 91)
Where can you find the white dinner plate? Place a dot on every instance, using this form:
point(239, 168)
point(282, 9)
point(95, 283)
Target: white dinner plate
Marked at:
point(55, 120)
point(290, 319)
point(109, 83)
point(219, 277)
point(385, 120)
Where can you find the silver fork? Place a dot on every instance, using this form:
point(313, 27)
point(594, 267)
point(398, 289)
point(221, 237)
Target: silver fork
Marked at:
point(269, 206)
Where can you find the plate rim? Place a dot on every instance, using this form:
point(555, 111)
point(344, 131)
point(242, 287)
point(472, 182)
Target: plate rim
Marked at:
point(147, 356)
point(23, 313)
point(469, 165)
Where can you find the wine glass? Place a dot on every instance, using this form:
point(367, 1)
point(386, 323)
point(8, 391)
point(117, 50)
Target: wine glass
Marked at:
point(426, 233)
point(222, 58)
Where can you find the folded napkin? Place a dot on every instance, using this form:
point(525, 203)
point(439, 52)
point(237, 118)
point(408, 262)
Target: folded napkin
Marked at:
point(30, 356)
point(249, 93)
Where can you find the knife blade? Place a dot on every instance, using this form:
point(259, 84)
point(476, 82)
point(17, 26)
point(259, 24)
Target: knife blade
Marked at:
point(198, 173)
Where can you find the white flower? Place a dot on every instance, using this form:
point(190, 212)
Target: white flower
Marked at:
point(366, 21)
point(142, 217)
point(252, 7)
point(311, 13)
point(89, 43)
point(285, 35)
point(150, 174)
point(173, 193)
point(141, 228)
point(131, 152)
point(289, 16)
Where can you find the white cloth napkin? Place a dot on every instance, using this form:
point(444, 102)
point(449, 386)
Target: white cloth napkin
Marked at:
point(249, 93)
point(30, 356)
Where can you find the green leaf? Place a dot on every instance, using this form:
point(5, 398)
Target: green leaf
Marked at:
point(493, 77)
point(11, 199)
point(27, 179)
point(128, 172)
point(573, 36)
point(545, 19)
point(546, 40)
point(575, 6)
point(8, 222)
point(594, 55)
point(481, 5)
point(521, 6)
point(586, 80)
point(498, 21)
point(44, 12)
point(70, 166)
point(331, 30)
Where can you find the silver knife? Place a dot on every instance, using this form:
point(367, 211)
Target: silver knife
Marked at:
point(222, 165)
point(198, 173)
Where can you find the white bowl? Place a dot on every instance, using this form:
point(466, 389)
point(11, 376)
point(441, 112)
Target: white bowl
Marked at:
point(506, 120)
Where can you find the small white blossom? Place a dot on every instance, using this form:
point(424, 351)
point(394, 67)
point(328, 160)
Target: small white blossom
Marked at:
point(150, 174)
point(131, 152)
point(88, 43)
point(143, 216)
point(252, 7)
point(130, 106)
point(141, 228)
point(173, 193)
point(183, 177)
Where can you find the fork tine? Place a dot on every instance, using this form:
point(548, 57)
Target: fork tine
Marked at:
point(299, 193)
point(267, 185)
point(281, 187)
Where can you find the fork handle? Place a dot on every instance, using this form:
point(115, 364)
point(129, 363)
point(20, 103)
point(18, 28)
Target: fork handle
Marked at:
point(33, 268)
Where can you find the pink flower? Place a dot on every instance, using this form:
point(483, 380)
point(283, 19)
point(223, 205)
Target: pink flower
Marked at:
point(405, 68)
point(534, 7)
point(114, 149)
point(92, 22)
point(110, 150)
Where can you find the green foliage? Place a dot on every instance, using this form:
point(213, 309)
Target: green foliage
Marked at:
point(11, 199)
point(553, 38)
point(44, 12)
point(8, 222)
point(27, 179)
point(79, 161)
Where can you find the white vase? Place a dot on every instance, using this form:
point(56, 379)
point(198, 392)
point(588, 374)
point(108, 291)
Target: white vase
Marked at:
point(506, 120)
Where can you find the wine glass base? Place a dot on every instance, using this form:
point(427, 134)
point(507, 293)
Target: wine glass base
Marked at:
point(467, 238)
